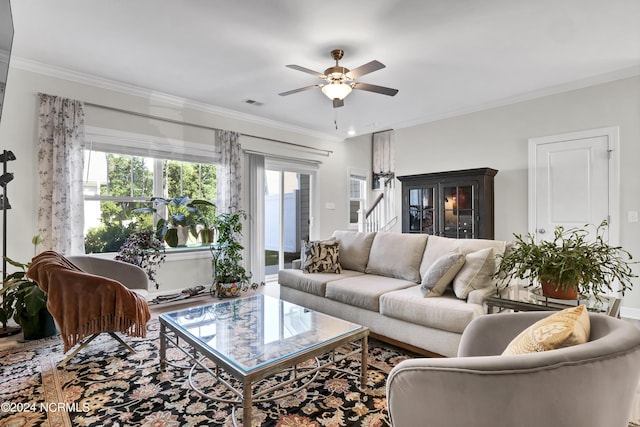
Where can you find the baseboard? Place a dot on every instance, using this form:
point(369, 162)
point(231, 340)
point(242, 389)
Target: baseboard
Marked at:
point(630, 313)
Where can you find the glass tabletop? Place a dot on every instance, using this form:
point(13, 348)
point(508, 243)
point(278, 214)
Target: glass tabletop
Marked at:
point(533, 295)
point(255, 331)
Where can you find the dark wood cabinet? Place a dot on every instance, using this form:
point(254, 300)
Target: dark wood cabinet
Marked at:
point(456, 204)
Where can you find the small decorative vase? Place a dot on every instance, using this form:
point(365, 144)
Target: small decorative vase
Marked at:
point(552, 290)
point(228, 290)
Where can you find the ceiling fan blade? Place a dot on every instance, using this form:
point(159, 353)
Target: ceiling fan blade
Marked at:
point(374, 88)
point(338, 103)
point(367, 68)
point(306, 70)
point(300, 89)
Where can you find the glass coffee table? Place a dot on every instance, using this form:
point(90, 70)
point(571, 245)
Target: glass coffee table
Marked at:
point(526, 298)
point(253, 338)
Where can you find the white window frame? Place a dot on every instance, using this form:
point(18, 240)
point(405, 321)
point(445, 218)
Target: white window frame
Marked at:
point(135, 144)
point(362, 174)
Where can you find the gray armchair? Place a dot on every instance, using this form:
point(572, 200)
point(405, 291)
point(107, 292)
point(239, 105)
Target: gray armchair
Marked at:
point(131, 276)
point(588, 385)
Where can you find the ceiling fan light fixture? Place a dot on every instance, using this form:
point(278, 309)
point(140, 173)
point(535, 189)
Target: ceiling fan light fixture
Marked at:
point(336, 90)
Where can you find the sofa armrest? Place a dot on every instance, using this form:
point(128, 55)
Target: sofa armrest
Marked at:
point(490, 334)
point(296, 264)
point(479, 296)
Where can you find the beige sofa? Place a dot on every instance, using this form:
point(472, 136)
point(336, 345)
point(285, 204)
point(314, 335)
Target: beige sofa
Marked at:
point(380, 287)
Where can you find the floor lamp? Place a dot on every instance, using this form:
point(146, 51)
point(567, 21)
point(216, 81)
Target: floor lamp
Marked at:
point(5, 179)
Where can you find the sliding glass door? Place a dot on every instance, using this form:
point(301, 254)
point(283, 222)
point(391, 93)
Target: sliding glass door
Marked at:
point(287, 213)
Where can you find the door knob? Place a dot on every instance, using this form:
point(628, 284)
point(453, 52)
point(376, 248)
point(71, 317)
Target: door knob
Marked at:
point(541, 230)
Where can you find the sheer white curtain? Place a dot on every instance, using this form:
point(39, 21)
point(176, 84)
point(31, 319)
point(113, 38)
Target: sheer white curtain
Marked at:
point(60, 165)
point(254, 232)
point(229, 174)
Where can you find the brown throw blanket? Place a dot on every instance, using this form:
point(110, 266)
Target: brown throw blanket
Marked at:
point(84, 304)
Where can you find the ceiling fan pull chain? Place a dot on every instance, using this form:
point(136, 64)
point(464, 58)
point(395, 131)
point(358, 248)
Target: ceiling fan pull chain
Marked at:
point(335, 118)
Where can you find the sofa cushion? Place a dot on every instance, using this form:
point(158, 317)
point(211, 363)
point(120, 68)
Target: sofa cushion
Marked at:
point(354, 248)
point(312, 283)
point(565, 328)
point(476, 273)
point(446, 312)
point(364, 291)
point(436, 246)
point(321, 257)
point(441, 273)
point(397, 255)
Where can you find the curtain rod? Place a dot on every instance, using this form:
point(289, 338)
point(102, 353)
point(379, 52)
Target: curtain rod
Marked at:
point(196, 125)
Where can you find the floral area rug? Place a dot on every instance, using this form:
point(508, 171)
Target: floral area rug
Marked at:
point(105, 386)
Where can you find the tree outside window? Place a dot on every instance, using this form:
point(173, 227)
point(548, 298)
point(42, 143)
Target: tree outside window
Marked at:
point(115, 185)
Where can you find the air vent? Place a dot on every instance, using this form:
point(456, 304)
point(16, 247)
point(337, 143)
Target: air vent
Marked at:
point(253, 102)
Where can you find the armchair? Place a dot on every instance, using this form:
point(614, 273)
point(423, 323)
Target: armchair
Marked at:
point(587, 385)
point(131, 276)
point(85, 305)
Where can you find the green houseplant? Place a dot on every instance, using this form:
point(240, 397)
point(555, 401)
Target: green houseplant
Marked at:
point(26, 302)
point(230, 277)
point(207, 221)
point(183, 214)
point(568, 264)
point(144, 249)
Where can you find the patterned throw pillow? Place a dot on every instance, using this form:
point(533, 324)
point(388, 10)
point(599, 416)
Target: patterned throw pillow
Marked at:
point(565, 328)
point(303, 251)
point(321, 257)
point(441, 274)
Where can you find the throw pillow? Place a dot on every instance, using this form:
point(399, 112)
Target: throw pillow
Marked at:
point(565, 328)
point(441, 274)
point(322, 257)
point(476, 273)
point(303, 249)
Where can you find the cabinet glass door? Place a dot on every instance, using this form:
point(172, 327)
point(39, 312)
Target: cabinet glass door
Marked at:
point(421, 210)
point(458, 204)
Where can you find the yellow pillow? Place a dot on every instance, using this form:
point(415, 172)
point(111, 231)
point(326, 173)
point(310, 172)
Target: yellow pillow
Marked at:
point(562, 329)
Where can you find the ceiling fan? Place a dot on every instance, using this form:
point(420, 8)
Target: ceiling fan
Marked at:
point(340, 80)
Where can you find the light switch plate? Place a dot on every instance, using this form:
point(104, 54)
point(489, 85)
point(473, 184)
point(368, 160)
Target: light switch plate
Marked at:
point(632, 216)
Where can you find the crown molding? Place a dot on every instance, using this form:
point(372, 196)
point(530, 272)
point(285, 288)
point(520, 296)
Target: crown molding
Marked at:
point(551, 90)
point(115, 86)
point(92, 80)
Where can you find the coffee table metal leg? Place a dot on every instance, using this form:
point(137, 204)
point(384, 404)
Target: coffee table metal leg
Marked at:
point(247, 402)
point(163, 347)
point(363, 362)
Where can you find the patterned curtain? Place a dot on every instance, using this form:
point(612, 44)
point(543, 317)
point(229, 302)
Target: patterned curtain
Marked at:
point(60, 165)
point(383, 153)
point(229, 174)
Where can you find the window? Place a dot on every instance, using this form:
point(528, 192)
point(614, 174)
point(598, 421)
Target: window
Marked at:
point(357, 195)
point(116, 183)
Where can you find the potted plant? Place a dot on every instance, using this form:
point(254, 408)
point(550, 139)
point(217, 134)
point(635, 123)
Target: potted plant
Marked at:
point(206, 220)
point(182, 218)
point(26, 302)
point(144, 249)
point(230, 277)
point(569, 264)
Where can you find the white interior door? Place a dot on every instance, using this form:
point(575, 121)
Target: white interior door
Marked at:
point(573, 181)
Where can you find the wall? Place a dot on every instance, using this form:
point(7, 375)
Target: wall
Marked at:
point(498, 138)
point(18, 133)
point(495, 138)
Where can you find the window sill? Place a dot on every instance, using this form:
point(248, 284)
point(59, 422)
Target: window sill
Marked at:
point(173, 254)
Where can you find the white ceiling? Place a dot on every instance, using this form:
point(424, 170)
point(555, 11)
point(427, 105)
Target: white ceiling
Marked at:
point(446, 57)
